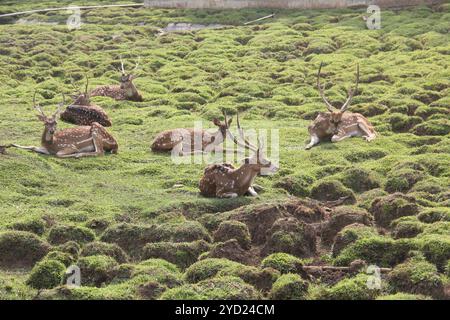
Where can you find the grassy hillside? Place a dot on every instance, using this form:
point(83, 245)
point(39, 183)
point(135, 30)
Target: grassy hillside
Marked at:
point(267, 71)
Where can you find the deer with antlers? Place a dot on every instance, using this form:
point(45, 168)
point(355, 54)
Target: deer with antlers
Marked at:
point(83, 113)
point(226, 181)
point(83, 141)
point(125, 91)
point(192, 141)
point(337, 124)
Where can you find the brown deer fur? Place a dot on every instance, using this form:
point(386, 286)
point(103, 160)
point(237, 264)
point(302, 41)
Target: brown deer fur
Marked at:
point(225, 181)
point(337, 124)
point(125, 91)
point(76, 142)
point(83, 113)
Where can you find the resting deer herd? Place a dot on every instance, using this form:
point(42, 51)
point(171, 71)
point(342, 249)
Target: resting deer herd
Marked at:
point(223, 180)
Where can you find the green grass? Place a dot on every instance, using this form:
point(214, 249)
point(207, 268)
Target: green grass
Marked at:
point(267, 71)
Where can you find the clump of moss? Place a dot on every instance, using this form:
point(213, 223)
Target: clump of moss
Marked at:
point(349, 235)
point(207, 268)
point(130, 237)
point(262, 279)
point(46, 274)
point(434, 215)
point(289, 287)
point(106, 249)
point(63, 257)
point(391, 207)
point(283, 262)
point(438, 127)
point(186, 231)
point(416, 276)
point(291, 236)
point(70, 247)
point(233, 229)
point(96, 270)
point(63, 233)
point(403, 296)
point(341, 217)
point(402, 180)
point(332, 190)
point(220, 288)
point(406, 228)
point(158, 270)
point(296, 185)
point(355, 288)
point(21, 249)
point(382, 251)
point(436, 249)
point(183, 254)
point(359, 179)
point(403, 123)
point(36, 226)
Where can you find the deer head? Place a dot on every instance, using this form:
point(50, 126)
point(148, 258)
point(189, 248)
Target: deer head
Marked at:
point(49, 122)
point(223, 127)
point(258, 160)
point(126, 79)
point(336, 114)
point(82, 99)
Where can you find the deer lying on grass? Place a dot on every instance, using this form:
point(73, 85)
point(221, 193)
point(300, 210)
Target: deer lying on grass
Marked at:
point(188, 139)
point(81, 112)
point(125, 91)
point(75, 142)
point(225, 181)
point(337, 124)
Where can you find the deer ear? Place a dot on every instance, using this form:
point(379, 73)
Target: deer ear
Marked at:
point(216, 121)
point(41, 117)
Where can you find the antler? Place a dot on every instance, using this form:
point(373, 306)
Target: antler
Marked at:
point(137, 65)
point(321, 92)
point(87, 86)
point(241, 134)
point(36, 106)
point(58, 110)
point(121, 64)
point(351, 91)
point(235, 140)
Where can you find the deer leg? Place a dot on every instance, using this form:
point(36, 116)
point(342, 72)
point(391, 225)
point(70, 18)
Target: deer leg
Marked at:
point(229, 195)
point(40, 150)
point(369, 136)
point(98, 150)
point(314, 140)
point(252, 192)
point(339, 137)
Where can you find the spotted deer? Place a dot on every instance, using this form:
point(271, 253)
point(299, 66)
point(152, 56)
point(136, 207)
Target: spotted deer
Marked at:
point(337, 124)
point(192, 141)
point(82, 141)
point(83, 113)
point(125, 91)
point(226, 181)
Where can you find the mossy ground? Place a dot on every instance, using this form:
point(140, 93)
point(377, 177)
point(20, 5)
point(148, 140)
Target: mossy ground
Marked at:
point(268, 72)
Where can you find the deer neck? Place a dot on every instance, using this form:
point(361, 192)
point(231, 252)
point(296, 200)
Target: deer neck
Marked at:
point(245, 176)
point(47, 138)
point(131, 90)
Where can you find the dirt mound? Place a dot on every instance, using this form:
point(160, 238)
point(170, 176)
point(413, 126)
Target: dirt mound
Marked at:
point(291, 236)
point(341, 217)
point(231, 250)
point(388, 208)
point(233, 230)
point(20, 249)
